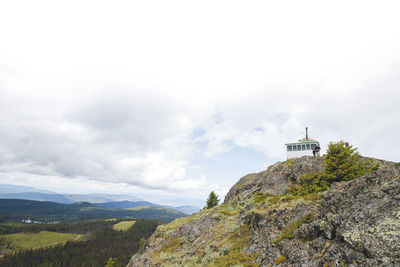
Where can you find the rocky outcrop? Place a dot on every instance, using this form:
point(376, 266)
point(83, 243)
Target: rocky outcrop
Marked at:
point(354, 223)
point(364, 214)
point(275, 180)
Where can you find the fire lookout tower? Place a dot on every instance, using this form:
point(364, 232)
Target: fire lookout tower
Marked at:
point(303, 147)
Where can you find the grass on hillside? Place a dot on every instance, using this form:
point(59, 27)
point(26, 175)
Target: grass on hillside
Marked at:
point(123, 226)
point(37, 240)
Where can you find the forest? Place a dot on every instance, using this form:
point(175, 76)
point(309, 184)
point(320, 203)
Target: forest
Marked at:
point(101, 243)
point(50, 212)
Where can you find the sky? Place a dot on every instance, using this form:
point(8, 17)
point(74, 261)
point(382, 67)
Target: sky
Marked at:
point(170, 100)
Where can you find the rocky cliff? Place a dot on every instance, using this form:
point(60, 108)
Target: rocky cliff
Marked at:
point(354, 223)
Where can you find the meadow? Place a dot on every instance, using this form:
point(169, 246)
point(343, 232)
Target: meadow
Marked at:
point(41, 239)
point(85, 243)
point(123, 226)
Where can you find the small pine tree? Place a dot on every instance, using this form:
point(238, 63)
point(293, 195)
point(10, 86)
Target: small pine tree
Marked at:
point(212, 200)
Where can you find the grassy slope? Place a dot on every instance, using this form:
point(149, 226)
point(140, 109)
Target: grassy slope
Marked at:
point(42, 239)
point(223, 243)
point(123, 226)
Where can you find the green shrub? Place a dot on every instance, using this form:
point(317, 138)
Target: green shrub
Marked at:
point(341, 163)
point(310, 183)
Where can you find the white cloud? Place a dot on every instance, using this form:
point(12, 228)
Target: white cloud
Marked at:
point(132, 92)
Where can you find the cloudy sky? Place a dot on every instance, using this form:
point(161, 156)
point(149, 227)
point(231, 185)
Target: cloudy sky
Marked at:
point(168, 100)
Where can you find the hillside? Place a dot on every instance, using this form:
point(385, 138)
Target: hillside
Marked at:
point(43, 211)
point(109, 201)
point(131, 204)
point(58, 198)
point(88, 243)
point(355, 222)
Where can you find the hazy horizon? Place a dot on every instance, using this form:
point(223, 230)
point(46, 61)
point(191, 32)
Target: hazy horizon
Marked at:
point(170, 100)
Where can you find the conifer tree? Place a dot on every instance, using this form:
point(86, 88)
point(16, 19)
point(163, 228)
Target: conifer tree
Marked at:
point(212, 200)
point(342, 162)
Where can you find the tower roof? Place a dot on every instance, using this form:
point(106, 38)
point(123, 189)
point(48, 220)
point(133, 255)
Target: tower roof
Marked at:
point(303, 140)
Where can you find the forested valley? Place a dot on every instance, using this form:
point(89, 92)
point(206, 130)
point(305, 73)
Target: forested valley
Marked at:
point(101, 241)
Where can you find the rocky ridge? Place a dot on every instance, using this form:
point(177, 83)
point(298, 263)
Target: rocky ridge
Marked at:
point(354, 223)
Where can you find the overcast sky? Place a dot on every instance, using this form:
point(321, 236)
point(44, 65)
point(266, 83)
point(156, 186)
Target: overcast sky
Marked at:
point(168, 100)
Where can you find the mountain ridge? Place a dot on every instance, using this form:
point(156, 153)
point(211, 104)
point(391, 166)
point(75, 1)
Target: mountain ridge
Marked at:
point(353, 223)
point(33, 193)
point(130, 204)
point(116, 201)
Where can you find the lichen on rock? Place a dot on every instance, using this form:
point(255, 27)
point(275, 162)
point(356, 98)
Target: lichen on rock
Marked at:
point(355, 223)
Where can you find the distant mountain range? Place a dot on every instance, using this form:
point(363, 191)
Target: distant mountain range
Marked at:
point(32, 193)
point(10, 189)
point(110, 201)
point(49, 212)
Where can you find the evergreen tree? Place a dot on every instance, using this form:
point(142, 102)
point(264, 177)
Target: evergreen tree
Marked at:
point(342, 162)
point(212, 200)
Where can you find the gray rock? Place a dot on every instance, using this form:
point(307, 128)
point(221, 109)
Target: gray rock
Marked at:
point(355, 223)
point(275, 180)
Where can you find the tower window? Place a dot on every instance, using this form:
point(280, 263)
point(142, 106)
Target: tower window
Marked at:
point(289, 148)
point(308, 146)
point(303, 147)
